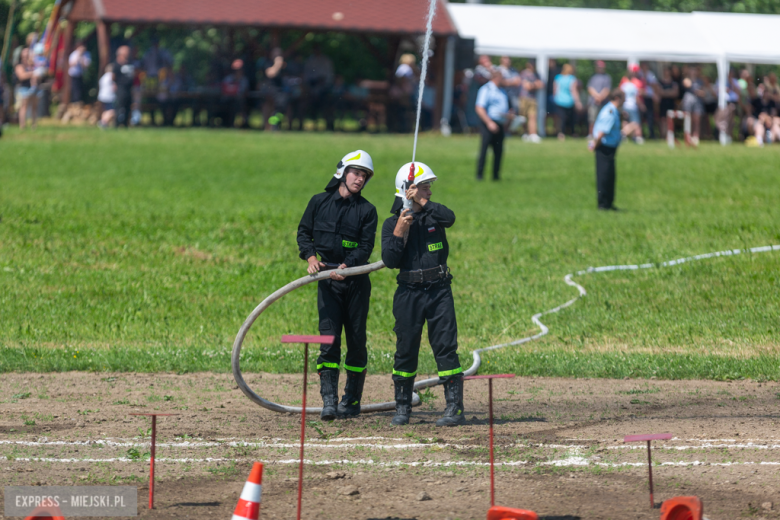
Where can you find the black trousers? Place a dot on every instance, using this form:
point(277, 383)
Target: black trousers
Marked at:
point(650, 116)
point(123, 110)
point(412, 307)
point(344, 305)
point(495, 141)
point(566, 115)
point(76, 89)
point(605, 175)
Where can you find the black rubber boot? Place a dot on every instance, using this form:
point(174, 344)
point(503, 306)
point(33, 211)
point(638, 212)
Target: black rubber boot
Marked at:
point(453, 393)
point(353, 393)
point(404, 388)
point(329, 390)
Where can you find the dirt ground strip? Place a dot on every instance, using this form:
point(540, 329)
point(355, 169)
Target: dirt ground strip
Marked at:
point(559, 445)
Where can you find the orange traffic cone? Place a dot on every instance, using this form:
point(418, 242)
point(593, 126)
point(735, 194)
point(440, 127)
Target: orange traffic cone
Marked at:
point(682, 508)
point(46, 513)
point(507, 513)
point(248, 507)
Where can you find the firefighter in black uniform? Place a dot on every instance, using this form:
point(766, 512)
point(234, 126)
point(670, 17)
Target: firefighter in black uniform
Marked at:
point(416, 243)
point(340, 226)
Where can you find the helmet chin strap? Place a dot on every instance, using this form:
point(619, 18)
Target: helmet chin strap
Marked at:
point(344, 181)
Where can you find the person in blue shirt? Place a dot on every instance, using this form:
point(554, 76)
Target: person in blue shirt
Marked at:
point(567, 98)
point(607, 137)
point(492, 107)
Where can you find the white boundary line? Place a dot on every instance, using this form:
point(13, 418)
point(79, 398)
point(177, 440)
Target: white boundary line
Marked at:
point(327, 445)
point(570, 462)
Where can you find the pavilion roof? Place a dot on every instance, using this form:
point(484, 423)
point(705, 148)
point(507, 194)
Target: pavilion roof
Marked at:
point(375, 16)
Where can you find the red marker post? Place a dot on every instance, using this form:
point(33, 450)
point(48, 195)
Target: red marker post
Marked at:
point(490, 379)
point(151, 458)
point(322, 340)
point(649, 438)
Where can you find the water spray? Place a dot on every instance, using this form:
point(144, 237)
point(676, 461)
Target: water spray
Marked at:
point(423, 73)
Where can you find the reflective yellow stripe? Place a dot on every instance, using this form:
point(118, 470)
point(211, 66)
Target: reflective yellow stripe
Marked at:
point(328, 365)
point(435, 247)
point(347, 243)
point(404, 374)
point(420, 172)
point(450, 372)
point(354, 369)
point(354, 158)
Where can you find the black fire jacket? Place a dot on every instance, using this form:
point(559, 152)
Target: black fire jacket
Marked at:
point(426, 246)
point(341, 230)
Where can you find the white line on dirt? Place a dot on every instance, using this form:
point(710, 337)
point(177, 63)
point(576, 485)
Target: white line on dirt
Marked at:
point(707, 445)
point(233, 444)
point(334, 444)
point(570, 462)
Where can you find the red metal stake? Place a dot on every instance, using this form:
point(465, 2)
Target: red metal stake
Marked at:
point(303, 425)
point(490, 379)
point(492, 479)
point(650, 474)
point(152, 452)
point(151, 462)
point(322, 340)
point(648, 439)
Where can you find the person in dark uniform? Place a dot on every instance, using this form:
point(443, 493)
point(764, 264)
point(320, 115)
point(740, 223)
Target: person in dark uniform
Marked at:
point(606, 139)
point(124, 75)
point(340, 225)
point(415, 241)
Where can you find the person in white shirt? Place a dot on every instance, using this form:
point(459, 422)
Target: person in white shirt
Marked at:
point(78, 61)
point(107, 96)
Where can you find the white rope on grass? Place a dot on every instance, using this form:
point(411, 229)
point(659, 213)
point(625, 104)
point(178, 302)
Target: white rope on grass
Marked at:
point(477, 354)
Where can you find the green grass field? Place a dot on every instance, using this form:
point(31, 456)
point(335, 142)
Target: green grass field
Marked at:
point(146, 250)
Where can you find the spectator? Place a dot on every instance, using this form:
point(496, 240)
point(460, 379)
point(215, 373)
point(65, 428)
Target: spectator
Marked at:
point(27, 91)
point(766, 126)
point(724, 118)
point(107, 96)
point(318, 75)
point(492, 108)
point(606, 139)
point(650, 81)
point(566, 98)
point(552, 71)
point(78, 61)
point(511, 82)
point(483, 72)
point(630, 85)
point(234, 88)
point(599, 87)
point(137, 88)
point(770, 83)
point(668, 92)
point(156, 59)
point(124, 75)
point(709, 98)
point(274, 90)
point(529, 85)
point(406, 67)
point(292, 83)
point(692, 103)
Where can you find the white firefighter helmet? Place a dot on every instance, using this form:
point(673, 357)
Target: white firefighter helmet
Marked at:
point(422, 173)
point(357, 159)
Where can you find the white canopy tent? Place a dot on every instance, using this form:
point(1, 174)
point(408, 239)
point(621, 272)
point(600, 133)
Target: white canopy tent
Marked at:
point(612, 34)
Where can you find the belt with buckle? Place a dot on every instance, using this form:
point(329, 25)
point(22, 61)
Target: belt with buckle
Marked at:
point(424, 275)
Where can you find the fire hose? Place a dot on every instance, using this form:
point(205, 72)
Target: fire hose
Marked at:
point(427, 383)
